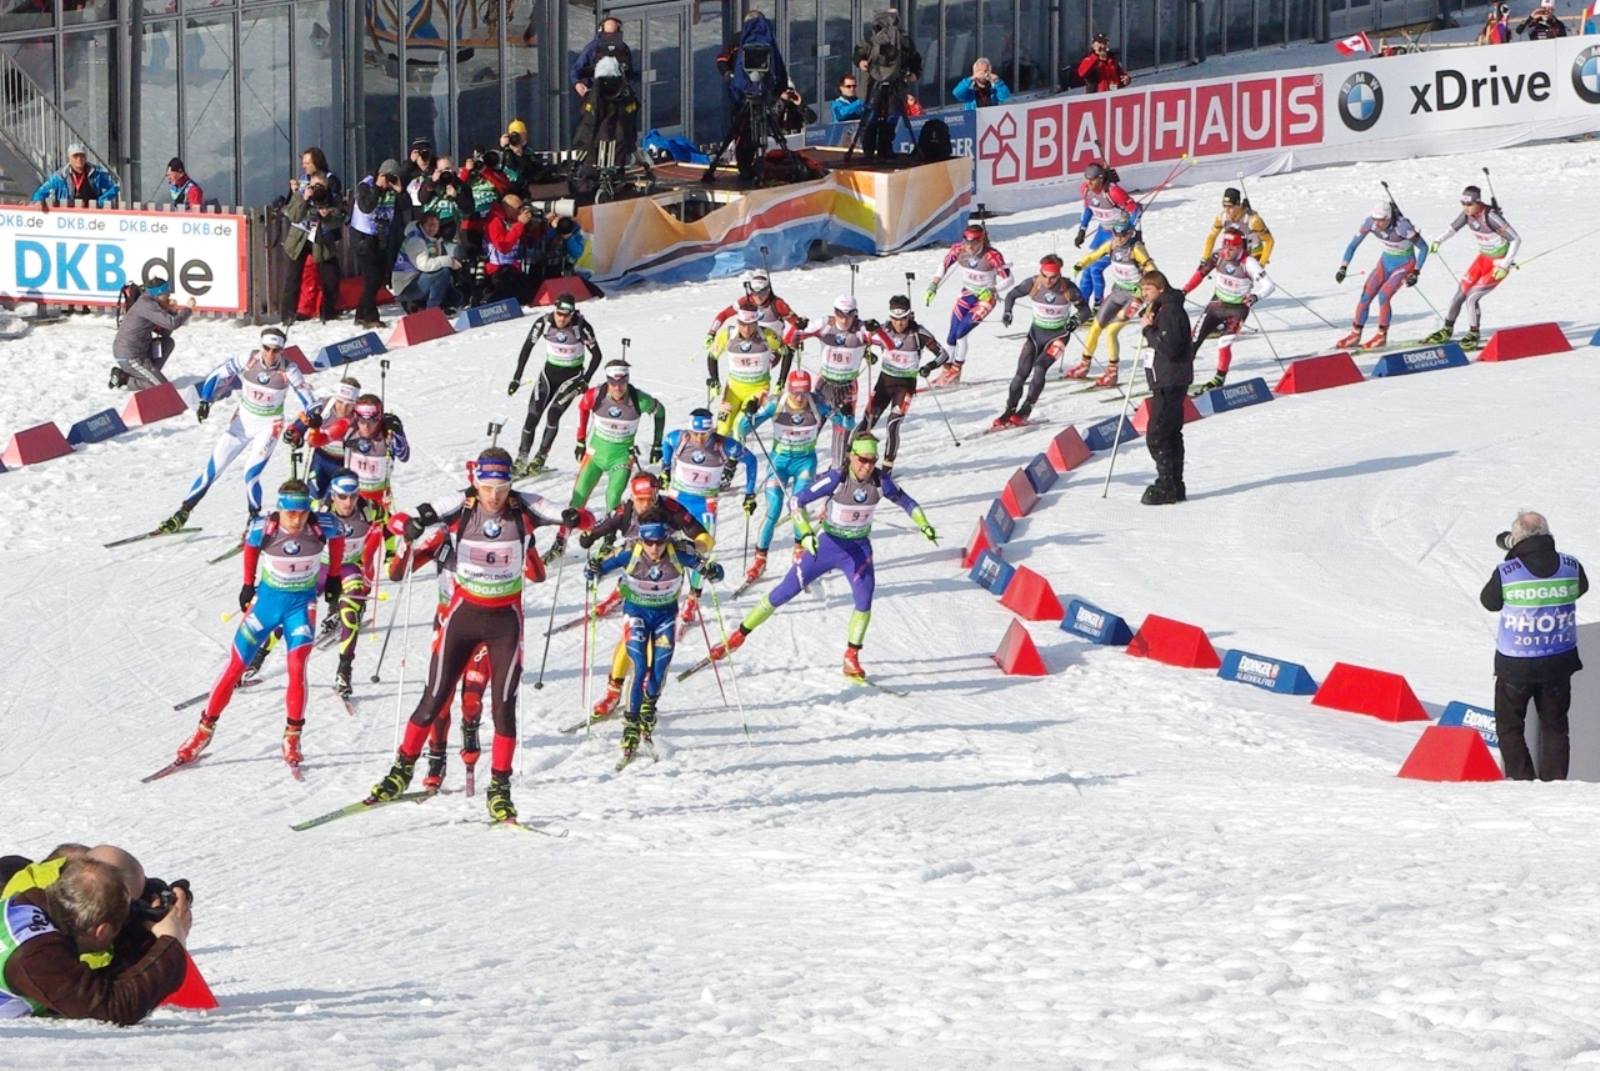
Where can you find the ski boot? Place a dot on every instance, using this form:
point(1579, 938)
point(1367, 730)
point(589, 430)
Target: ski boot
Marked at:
point(647, 720)
point(176, 521)
point(608, 702)
point(1352, 339)
point(1108, 378)
point(1377, 341)
point(198, 742)
point(341, 677)
point(522, 468)
point(469, 742)
point(253, 669)
point(558, 547)
point(1441, 335)
point(758, 566)
point(734, 641)
point(291, 744)
point(1470, 340)
point(691, 609)
point(396, 781)
point(1004, 420)
point(949, 376)
point(609, 603)
point(1079, 370)
point(329, 626)
point(631, 731)
point(1209, 385)
point(852, 664)
point(434, 778)
point(1019, 419)
point(118, 379)
point(501, 809)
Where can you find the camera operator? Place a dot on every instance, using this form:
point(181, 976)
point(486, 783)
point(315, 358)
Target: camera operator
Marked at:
point(793, 115)
point(515, 162)
point(1099, 71)
point(447, 197)
point(891, 64)
point(1535, 592)
point(982, 87)
point(753, 70)
point(418, 166)
point(1542, 24)
point(144, 336)
point(605, 77)
point(314, 217)
point(99, 904)
point(1496, 25)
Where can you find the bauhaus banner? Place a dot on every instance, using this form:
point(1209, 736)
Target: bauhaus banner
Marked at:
point(1373, 108)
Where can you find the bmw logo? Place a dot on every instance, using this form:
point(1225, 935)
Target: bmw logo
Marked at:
point(364, 445)
point(561, 336)
point(492, 529)
point(746, 346)
point(1360, 101)
point(614, 411)
point(860, 496)
point(655, 572)
point(698, 457)
point(263, 377)
point(291, 548)
point(1586, 74)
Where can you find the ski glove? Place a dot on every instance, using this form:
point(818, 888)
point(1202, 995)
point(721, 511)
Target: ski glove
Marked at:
point(569, 390)
point(591, 570)
point(571, 517)
point(1249, 301)
point(927, 296)
point(712, 386)
point(1005, 318)
point(713, 572)
point(655, 454)
point(1411, 278)
point(1083, 232)
point(202, 411)
point(332, 588)
point(749, 504)
point(1339, 275)
point(1433, 247)
point(1499, 273)
point(586, 540)
point(927, 370)
point(314, 418)
point(247, 595)
point(512, 388)
point(294, 435)
point(752, 405)
point(392, 425)
point(578, 451)
point(872, 325)
point(808, 543)
point(924, 526)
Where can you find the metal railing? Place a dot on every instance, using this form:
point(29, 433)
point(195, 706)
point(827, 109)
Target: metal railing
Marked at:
point(35, 131)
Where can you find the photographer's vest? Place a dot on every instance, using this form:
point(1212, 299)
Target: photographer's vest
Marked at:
point(1051, 304)
point(697, 468)
point(652, 583)
point(795, 431)
point(377, 222)
point(1540, 615)
point(501, 258)
point(19, 923)
point(483, 196)
point(842, 352)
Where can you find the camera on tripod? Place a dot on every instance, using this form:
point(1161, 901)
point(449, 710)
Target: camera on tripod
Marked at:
point(757, 62)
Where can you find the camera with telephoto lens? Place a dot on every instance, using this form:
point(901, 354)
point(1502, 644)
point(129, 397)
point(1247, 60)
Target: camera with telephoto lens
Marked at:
point(1503, 541)
point(158, 899)
point(757, 62)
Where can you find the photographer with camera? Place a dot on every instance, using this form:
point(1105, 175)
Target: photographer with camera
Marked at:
point(982, 87)
point(793, 114)
point(1496, 25)
point(891, 64)
point(1542, 24)
point(753, 71)
point(380, 215)
point(511, 225)
point(315, 218)
point(1100, 71)
point(91, 939)
point(605, 77)
point(1535, 591)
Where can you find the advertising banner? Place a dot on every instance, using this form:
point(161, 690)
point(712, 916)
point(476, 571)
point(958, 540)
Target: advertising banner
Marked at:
point(83, 256)
point(1033, 154)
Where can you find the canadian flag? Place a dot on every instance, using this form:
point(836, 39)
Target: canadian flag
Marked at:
point(1349, 46)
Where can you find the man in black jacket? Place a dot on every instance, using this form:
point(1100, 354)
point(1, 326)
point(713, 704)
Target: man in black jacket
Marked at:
point(1170, 372)
point(1535, 592)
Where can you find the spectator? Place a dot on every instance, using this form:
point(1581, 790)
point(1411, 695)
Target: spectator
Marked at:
point(793, 115)
point(1542, 24)
point(418, 166)
point(891, 64)
point(508, 226)
point(314, 161)
point(1166, 331)
point(847, 106)
point(515, 163)
point(314, 219)
point(982, 87)
point(1535, 591)
point(447, 197)
point(79, 181)
point(1496, 25)
point(607, 42)
point(87, 910)
point(182, 189)
point(605, 77)
point(144, 336)
point(421, 277)
point(1099, 71)
point(376, 220)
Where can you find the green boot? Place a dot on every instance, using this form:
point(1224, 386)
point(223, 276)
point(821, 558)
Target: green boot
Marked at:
point(501, 809)
point(1441, 335)
point(1470, 340)
point(396, 781)
point(176, 521)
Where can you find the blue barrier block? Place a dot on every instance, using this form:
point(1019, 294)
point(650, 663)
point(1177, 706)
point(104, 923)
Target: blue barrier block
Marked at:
point(351, 349)
point(1001, 522)
point(1595, 341)
point(1234, 396)
point(492, 313)
point(1471, 717)
point(992, 573)
point(1041, 474)
point(1101, 436)
point(1096, 625)
point(1425, 359)
point(96, 429)
point(1286, 678)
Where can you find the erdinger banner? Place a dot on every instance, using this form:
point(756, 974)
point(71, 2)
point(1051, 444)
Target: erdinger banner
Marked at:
point(82, 256)
point(1374, 108)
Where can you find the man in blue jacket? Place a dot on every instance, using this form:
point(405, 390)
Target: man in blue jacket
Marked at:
point(847, 106)
point(79, 181)
point(982, 87)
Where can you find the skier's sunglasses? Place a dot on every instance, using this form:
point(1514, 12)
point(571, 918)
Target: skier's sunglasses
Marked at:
point(367, 412)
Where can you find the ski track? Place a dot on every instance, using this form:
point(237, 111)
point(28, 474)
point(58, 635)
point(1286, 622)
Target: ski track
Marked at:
point(1121, 865)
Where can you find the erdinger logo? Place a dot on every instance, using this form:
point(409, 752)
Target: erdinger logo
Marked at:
point(1360, 101)
point(1586, 75)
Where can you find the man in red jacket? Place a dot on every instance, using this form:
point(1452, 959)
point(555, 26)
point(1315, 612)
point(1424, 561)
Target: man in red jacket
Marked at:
point(510, 226)
point(1099, 70)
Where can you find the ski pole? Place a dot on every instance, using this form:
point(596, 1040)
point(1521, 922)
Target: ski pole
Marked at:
point(911, 277)
point(1394, 205)
point(1177, 169)
point(722, 625)
point(1285, 292)
point(715, 671)
point(940, 406)
point(1127, 398)
point(855, 269)
point(549, 628)
point(765, 269)
point(383, 383)
point(745, 553)
point(1268, 338)
point(400, 689)
point(1571, 241)
point(1494, 201)
point(588, 636)
point(295, 458)
point(387, 632)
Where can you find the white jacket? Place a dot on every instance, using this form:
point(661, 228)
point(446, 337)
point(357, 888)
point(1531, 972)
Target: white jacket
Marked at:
point(418, 254)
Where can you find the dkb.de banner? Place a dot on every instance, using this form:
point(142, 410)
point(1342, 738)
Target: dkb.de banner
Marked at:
point(1373, 108)
point(83, 256)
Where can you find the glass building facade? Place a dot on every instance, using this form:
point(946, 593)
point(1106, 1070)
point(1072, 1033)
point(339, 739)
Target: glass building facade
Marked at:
point(237, 87)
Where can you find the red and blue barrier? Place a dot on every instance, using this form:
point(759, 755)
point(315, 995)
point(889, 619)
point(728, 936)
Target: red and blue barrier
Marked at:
point(1096, 625)
point(103, 425)
point(1272, 674)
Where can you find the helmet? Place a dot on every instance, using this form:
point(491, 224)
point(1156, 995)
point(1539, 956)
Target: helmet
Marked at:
point(643, 485)
point(344, 482)
point(1050, 264)
point(617, 369)
point(846, 304)
point(799, 382)
point(899, 307)
point(1381, 210)
point(747, 315)
point(701, 420)
point(1232, 244)
point(273, 338)
point(1094, 173)
point(757, 282)
point(1472, 196)
point(652, 532)
point(1231, 196)
point(1122, 224)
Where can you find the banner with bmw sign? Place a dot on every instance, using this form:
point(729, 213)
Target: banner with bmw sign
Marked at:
point(1033, 153)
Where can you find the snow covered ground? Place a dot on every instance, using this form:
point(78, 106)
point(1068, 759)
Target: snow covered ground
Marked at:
point(1119, 865)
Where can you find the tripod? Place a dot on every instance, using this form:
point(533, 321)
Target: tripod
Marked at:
point(883, 97)
point(754, 120)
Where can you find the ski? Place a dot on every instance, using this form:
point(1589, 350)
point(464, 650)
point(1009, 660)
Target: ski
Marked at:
point(1094, 387)
point(696, 668)
point(225, 555)
point(195, 700)
point(359, 807)
point(526, 827)
point(867, 682)
point(592, 719)
point(991, 430)
point(567, 626)
point(349, 704)
point(169, 769)
point(157, 533)
point(1136, 396)
point(748, 584)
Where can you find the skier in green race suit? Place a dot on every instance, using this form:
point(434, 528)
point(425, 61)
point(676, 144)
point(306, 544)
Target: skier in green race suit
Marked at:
point(616, 410)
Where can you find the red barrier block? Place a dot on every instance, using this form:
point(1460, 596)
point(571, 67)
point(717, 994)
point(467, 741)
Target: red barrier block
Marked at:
point(1174, 643)
point(1318, 373)
point(1019, 497)
point(574, 286)
point(152, 404)
point(297, 356)
point(1067, 450)
point(1030, 595)
point(977, 545)
point(192, 994)
point(1141, 415)
point(1016, 655)
point(350, 294)
point(418, 327)
point(1373, 692)
point(1451, 753)
point(42, 442)
point(1528, 340)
